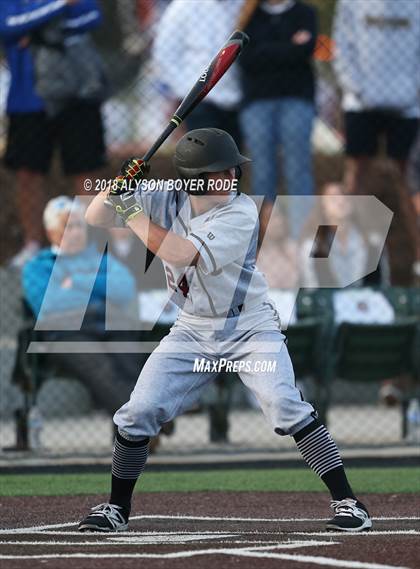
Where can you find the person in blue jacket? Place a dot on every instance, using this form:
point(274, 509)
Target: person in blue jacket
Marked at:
point(71, 280)
point(71, 274)
point(32, 135)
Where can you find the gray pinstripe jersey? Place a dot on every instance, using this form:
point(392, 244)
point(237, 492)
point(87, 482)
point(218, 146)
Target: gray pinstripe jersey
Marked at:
point(226, 237)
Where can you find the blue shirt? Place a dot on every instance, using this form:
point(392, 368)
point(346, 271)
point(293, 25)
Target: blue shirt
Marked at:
point(19, 18)
point(89, 274)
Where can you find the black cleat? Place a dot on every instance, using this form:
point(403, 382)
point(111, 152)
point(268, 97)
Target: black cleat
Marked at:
point(350, 515)
point(105, 518)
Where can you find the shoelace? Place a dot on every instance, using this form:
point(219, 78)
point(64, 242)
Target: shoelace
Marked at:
point(109, 511)
point(346, 506)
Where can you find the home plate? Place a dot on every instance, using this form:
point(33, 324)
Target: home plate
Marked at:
point(162, 538)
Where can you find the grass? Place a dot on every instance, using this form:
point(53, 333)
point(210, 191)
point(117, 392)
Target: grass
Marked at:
point(363, 480)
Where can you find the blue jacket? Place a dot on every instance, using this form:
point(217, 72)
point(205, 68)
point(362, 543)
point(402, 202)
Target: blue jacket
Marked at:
point(19, 18)
point(89, 274)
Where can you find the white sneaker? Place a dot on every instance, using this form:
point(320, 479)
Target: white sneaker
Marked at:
point(350, 515)
point(27, 253)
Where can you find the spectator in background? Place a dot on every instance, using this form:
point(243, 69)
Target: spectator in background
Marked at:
point(188, 36)
point(414, 186)
point(278, 109)
point(32, 133)
point(377, 65)
point(352, 252)
point(387, 184)
point(135, 18)
point(414, 176)
point(56, 284)
point(278, 256)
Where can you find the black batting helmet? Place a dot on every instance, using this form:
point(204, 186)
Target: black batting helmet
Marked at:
point(206, 150)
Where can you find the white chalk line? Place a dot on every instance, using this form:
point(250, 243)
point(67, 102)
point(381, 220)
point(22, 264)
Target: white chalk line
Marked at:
point(233, 519)
point(107, 543)
point(249, 551)
point(371, 533)
point(180, 554)
point(329, 561)
point(198, 518)
point(155, 538)
point(249, 544)
point(324, 533)
point(318, 560)
point(38, 528)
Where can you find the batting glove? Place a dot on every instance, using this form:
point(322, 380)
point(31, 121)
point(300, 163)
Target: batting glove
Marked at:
point(133, 170)
point(121, 196)
point(125, 205)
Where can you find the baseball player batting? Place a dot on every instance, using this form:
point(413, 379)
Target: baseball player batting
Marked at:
point(207, 241)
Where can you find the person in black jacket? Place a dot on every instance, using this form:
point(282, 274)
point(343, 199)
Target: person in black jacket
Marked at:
point(278, 106)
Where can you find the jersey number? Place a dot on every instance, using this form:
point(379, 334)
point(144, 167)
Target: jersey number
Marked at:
point(182, 285)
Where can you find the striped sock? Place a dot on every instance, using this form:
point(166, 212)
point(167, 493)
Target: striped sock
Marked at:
point(128, 462)
point(321, 454)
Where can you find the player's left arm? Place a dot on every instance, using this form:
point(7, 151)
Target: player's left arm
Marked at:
point(166, 245)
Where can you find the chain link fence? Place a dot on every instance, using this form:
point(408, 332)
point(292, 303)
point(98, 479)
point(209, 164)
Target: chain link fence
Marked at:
point(326, 102)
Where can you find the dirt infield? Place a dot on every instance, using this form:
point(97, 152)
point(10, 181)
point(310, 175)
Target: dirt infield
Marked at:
point(209, 529)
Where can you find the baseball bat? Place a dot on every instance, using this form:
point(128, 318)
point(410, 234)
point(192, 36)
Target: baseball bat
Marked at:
point(207, 80)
